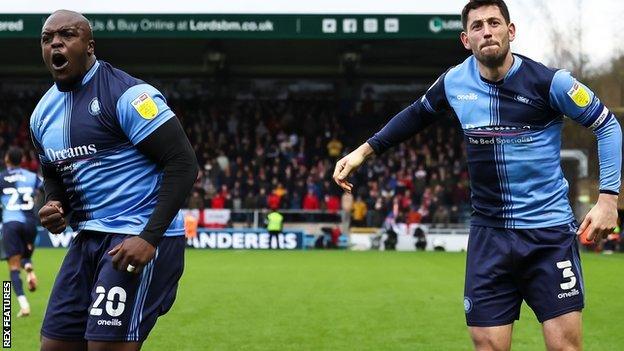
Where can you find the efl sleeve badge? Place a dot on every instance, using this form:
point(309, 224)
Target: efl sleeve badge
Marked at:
point(579, 95)
point(145, 106)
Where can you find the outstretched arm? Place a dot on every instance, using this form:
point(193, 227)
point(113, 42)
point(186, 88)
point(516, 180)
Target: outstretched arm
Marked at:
point(405, 124)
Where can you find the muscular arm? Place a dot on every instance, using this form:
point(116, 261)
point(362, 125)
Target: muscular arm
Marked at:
point(53, 186)
point(171, 150)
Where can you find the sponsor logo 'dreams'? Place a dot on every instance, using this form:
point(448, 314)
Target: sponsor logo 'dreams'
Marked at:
point(65, 154)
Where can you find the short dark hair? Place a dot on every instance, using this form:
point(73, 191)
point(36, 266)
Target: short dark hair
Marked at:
point(15, 156)
point(475, 4)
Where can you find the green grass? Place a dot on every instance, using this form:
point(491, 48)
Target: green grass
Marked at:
point(335, 300)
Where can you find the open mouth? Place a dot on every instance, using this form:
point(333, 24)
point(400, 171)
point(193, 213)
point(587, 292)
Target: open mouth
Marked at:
point(59, 61)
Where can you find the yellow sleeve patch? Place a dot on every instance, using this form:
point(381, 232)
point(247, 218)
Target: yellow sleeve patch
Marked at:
point(145, 106)
point(579, 95)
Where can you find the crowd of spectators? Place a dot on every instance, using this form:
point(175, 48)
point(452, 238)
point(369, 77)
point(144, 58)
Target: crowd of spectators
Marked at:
point(15, 110)
point(280, 153)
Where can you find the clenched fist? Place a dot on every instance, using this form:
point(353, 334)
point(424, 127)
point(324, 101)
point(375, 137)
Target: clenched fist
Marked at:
point(52, 217)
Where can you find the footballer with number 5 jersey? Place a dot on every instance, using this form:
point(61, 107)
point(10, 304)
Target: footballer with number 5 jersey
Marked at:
point(523, 238)
point(117, 167)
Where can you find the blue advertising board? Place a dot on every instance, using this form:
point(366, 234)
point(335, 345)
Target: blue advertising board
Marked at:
point(237, 239)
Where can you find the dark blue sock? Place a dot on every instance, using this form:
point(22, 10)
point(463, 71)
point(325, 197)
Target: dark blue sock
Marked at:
point(17, 283)
point(25, 261)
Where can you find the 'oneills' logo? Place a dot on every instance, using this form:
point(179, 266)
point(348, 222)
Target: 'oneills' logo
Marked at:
point(145, 106)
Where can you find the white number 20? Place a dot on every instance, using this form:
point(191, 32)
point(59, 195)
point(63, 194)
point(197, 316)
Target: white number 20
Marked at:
point(115, 293)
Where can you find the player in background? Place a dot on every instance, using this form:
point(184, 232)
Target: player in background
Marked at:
point(117, 168)
point(523, 236)
point(19, 225)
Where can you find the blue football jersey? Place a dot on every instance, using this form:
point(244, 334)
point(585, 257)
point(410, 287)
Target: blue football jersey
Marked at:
point(17, 189)
point(512, 130)
point(89, 136)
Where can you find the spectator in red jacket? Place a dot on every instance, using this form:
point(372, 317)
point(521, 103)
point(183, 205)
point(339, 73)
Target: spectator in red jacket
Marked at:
point(218, 201)
point(310, 201)
point(273, 201)
point(332, 203)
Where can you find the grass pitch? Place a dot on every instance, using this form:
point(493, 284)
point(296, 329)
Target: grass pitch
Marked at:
point(334, 300)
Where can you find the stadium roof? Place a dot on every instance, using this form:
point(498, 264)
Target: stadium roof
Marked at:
point(412, 59)
point(380, 39)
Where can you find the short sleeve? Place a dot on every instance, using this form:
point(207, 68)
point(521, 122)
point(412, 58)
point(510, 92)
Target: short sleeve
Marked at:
point(141, 110)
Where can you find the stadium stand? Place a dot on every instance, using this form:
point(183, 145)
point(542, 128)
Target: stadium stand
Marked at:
point(279, 152)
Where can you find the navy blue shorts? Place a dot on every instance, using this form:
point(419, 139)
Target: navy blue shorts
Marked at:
point(506, 266)
point(18, 238)
point(92, 301)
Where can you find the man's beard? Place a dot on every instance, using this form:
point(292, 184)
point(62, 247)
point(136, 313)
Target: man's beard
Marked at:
point(493, 61)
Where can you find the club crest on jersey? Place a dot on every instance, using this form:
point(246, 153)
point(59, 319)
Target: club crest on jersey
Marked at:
point(94, 107)
point(145, 106)
point(579, 95)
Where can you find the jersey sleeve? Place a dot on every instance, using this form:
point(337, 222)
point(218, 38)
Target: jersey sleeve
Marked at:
point(575, 100)
point(35, 137)
point(434, 100)
point(141, 110)
point(412, 119)
point(38, 182)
